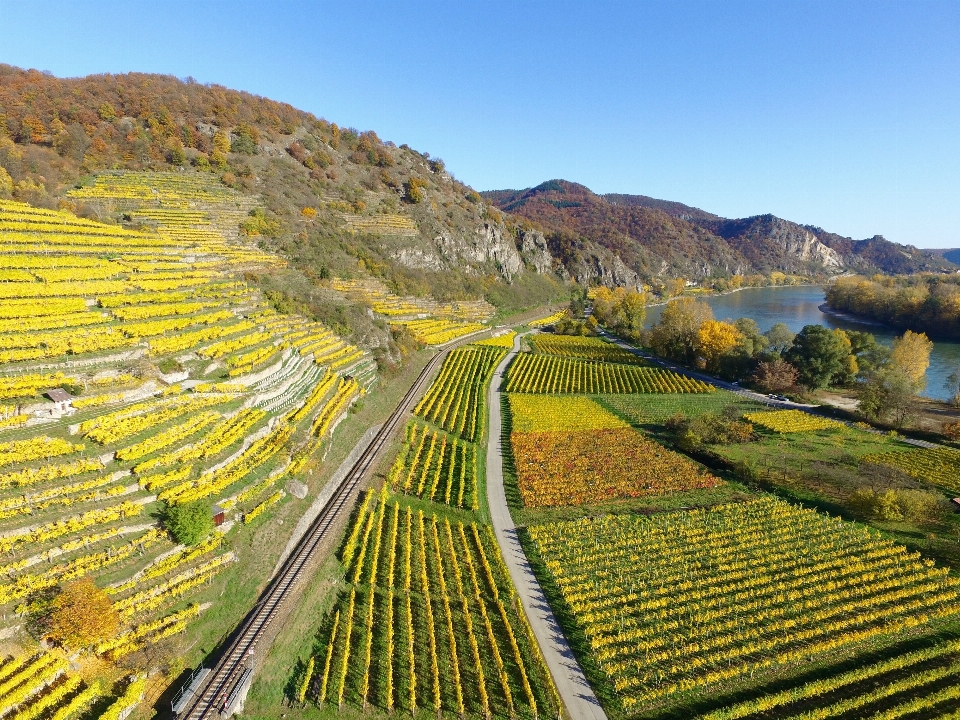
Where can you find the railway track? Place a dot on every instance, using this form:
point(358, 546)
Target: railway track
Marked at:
point(225, 683)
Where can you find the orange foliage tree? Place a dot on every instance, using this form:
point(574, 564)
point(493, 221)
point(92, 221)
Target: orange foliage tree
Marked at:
point(81, 614)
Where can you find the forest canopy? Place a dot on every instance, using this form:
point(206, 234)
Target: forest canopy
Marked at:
point(924, 303)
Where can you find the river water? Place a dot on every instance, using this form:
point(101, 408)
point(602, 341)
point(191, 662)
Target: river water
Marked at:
point(799, 306)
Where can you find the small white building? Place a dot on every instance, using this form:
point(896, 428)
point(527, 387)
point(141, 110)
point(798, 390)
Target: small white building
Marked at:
point(62, 403)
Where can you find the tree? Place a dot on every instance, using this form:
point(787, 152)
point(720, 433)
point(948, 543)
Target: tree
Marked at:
point(6, 183)
point(675, 336)
point(870, 354)
point(780, 338)
point(952, 383)
point(621, 310)
point(847, 375)
point(578, 301)
point(911, 353)
point(776, 375)
point(81, 614)
point(888, 393)
point(715, 339)
point(221, 141)
point(189, 523)
point(752, 341)
point(818, 354)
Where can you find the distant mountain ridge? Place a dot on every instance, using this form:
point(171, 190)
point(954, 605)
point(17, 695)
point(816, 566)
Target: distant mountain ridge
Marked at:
point(655, 237)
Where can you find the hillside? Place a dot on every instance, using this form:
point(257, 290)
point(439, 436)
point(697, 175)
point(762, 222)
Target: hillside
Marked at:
point(340, 203)
point(658, 238)
point(337, 201)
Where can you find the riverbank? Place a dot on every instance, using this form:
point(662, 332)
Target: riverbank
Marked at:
point(850, 317)
point(730, 292)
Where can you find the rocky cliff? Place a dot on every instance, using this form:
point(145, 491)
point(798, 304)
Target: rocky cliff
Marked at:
point(624, 239)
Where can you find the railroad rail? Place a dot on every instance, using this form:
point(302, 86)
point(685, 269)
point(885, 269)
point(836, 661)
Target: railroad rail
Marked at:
point(222, 689)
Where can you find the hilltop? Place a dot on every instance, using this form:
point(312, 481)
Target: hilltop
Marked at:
point(659, 238)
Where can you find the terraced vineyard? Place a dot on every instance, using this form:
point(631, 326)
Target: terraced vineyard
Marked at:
point(430, 322)
point(138, 370)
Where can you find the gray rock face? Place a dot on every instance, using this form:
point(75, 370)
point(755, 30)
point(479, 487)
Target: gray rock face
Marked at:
point(534, 251)
point(602, 267)
point(297, 489)
point(418, 259)
point(803, 244)
point(488, 245)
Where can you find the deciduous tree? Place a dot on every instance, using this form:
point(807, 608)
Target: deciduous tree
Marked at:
point(675, 336)
point(776, 375)
point(81, 614)
point(911, 353)
point(818, 354)
point(189, 523)
point(888, 393)
point(715, 339)
point(780, 338)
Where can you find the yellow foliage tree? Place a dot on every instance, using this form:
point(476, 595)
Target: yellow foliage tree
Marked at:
point(911, 354)
point(715, 339)
point(82, 614)
point(221, 142)
point(6, 184)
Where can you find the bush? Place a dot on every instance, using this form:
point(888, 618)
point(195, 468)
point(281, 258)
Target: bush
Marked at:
point(897, 504)
point(189, 523)
point(721, 428)
point(952, 430)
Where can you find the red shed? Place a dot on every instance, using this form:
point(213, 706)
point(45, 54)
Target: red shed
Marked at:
point(218, 515)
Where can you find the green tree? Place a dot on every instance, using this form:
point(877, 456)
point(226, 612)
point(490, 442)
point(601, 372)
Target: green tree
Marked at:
point(870, 354)
point(189, 523)
point(779, 338)
point(245, 139)
point(818, 354)
point(578, 301)
point(888, 393)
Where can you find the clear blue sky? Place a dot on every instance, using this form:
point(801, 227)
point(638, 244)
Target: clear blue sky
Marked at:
point(839, 114)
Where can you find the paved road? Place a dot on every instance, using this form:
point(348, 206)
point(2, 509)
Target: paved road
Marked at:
point(571, 683)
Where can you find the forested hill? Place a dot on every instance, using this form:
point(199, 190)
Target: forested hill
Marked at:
point(661, 237)
point(338, 201)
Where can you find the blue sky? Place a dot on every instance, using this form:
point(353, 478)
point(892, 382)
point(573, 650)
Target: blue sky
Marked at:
point(839, 114)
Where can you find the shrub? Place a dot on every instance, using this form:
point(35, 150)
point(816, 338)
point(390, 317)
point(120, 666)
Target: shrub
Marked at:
point(952, 430)
point(897, 504)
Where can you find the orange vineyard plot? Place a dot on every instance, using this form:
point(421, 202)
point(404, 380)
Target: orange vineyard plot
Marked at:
point(570, 451)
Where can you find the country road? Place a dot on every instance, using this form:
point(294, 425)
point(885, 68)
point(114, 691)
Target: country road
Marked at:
point(575, 691)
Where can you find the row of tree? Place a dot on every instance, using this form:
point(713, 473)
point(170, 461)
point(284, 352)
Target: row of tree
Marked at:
point(887, 379)
point(927, 302)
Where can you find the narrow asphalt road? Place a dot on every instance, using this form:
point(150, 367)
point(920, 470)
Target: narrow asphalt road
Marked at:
point(575, 691)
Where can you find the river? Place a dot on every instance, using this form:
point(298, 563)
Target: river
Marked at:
point(799, 306)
